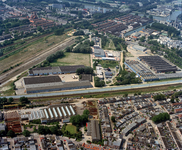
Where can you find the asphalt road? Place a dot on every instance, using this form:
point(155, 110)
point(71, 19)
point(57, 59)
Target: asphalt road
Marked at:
point(97, 90)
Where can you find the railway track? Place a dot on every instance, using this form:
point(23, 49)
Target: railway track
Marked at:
point(36, 60)
point(81, 93)
point(29, 41)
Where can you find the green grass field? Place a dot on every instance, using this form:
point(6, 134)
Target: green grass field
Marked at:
point(108, 63)
point(71, 128)
point(73, 59)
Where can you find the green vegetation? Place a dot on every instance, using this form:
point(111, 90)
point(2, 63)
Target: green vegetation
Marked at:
point(24, 100)
point(113, 119)
point(79, 120)
point(119, 44)
point(161, 117)
point(71, 129)
point(83, 48)
point(55, 56)
point(11, 133)
point(49, 130)
point(80, 32)
point(125, 77)
point(159, 97)
point(171, 30)
point(98, 82)
point(105, 63)
point(86, 70)
point(37, 121)
point(26, 133)
point(72, 59)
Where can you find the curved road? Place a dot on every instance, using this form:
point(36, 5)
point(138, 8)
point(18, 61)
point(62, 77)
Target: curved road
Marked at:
point(97, 90)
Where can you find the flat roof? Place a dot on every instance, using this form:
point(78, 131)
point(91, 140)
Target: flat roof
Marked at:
point(157, 63)
point(38, 80)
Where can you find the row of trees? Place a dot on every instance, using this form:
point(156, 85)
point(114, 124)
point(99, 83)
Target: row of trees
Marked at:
point(171, 30)
point(86, 70)
point(159, 97)
point(55, 56)
point(83, 48)
point(161, 117)
point(49, 130)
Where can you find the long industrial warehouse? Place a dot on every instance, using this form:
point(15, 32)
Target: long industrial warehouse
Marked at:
point(52, 83)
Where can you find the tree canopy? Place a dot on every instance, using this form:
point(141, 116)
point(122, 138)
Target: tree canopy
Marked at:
point(161, 117)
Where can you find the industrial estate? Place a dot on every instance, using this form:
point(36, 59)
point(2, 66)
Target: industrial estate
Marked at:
point(90, 75)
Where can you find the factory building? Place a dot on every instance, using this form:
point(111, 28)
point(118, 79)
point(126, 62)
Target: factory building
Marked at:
point(54, 70)
point(98, 52)
point(51, 113)
point(93, 130)
point(158, 64)
point(51, 83)
point(144, 73)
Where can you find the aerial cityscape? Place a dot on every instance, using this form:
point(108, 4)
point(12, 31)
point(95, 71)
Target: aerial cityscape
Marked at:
point(90, 75)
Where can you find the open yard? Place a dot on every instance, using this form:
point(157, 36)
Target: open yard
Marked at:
point(107, 63)
point(34, 49)
point(73, 59)
point(71, 128)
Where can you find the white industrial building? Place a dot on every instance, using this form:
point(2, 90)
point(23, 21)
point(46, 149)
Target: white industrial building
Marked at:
point(51, 113)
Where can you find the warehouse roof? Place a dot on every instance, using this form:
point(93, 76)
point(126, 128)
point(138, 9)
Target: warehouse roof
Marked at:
point(70, 68)
point(44, 70)
point(139, 48)
point(38, 80)
point(158, 64)
point(60, 86)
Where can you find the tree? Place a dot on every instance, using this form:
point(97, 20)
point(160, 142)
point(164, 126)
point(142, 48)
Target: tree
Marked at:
point(41, 130)
point(11, 100)
point(113, 119)
point(53, 129)
point(76, 120)
point(4, 100)
point(86, 112)
point(24, 100)
point(92, 43)
point(26, 133)
point(39, 28)
point(136, 14)
point(11, 133)
point(172, 100)
point(161, 117)
point(142, 39)
point(59, 31)
point(96, 33)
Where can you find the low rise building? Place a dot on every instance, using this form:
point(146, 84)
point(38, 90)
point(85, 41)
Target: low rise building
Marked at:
point(93, 130)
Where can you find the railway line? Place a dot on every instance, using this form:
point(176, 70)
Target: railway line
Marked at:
point(36, 60)
point(137, 87)
point(29, 41)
